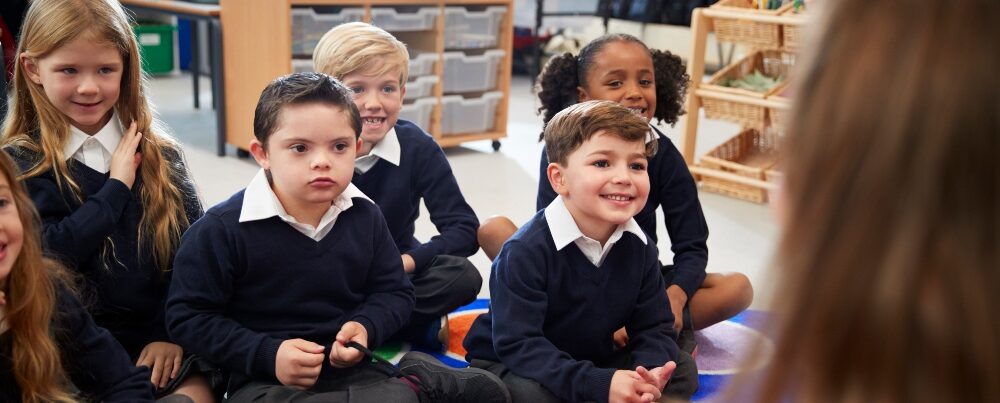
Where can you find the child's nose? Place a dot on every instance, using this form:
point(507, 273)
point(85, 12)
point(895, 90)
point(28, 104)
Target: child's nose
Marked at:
point(370, 101)
point(88, 85)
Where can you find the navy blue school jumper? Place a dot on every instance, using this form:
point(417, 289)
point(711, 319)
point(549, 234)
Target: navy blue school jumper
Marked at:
point(553, 315)
point(241, 289)
point(673, 189)
point(122, 286)
point(443, 279)
point(93, 361)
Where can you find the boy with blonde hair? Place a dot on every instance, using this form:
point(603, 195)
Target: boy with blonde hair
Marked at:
point(398, 165)
point(579, 270)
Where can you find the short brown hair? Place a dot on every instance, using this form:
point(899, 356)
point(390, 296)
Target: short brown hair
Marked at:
point(358, 46)
point(576, 124)
point(298, 89)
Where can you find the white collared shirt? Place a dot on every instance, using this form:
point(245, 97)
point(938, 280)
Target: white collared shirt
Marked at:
point(564, 231)
point(260, 202)
point(387, 149)
point(94, 151)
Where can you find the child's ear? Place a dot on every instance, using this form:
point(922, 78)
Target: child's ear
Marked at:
point(31, 68)
point(581, 94)
point(259, 153)
point(357, 146)
point(402, 91)
point(556, 178)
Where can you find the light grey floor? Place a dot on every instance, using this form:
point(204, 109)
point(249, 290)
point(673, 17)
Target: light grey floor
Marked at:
point(743, 234)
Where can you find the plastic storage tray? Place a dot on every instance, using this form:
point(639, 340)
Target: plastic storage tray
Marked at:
point(464, 29)
point(308, 26)
point(474, 115)
point(420, 87)
point(302, 65)
point(464, 73)
point(422, 64)
point(390, 19)
point(419, 112)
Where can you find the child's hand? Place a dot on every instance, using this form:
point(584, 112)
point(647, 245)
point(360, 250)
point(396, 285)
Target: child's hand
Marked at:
point(298, 363)
point(621, 338)
point(164, 359)
point(629, 387)
point(677, 299)
point(658, 376)
point(342, 356)
point(408, 264)
point(126, 157)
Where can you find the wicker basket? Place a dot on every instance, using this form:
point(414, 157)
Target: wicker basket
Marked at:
point(771, 62)
point(750, 153)
point(791, 36)
point(750, 33)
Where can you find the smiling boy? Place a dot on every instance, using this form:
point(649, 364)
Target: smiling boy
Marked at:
point(579, 270)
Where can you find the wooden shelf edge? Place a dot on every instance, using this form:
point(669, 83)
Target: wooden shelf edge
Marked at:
point(699, 170)
point(455, 140)
point(773, 19)
point(767, 103)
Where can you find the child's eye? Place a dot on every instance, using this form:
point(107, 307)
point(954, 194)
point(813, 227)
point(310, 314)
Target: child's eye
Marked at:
point(4, 202)
point(356, 90)
point(645, 82)
point(638, 166)
point(298, 148)
point(68, 70)
point(601, 163)
point(106, 70)
point(340, 146)
point(388, 89)
point(614, 84)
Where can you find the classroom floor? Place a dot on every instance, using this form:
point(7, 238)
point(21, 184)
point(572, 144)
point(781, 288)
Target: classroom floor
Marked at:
point(742, 234)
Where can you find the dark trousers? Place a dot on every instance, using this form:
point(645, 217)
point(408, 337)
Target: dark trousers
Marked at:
point(362, 383)
point(682, 385)
point(447, 283)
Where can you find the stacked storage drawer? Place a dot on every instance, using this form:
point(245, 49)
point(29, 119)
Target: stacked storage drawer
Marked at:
point(419, 112)
point(309, 25)
point(471, 66)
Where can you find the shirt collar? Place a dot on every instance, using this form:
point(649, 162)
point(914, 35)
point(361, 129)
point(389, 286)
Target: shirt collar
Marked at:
point(109, 136)
point(260, 202)
point(564, 229)
point(387, 149)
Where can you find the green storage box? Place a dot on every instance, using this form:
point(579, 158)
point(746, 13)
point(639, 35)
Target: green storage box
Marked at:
point(156, 45)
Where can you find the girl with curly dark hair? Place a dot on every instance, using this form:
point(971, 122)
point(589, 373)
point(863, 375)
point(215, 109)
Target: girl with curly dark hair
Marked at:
point(652, 83)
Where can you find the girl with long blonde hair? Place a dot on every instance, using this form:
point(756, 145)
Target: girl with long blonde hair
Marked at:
point(110, 186)
point(41, 321)
point(890, 257)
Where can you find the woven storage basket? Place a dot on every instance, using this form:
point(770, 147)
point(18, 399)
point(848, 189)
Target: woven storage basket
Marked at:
point(791, 36)
point(750, 153)
point(750, 33)
point(770, 62)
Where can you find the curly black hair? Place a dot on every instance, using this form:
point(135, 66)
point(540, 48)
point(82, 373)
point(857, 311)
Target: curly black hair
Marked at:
point(558, 81)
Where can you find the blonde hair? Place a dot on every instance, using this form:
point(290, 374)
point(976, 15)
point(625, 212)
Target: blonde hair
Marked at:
point(33, 123)
point(360, 47)
point(889, 256)
point(571, 127)
point(31, 299)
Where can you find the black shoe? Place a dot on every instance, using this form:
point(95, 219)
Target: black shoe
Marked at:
point(439, 383)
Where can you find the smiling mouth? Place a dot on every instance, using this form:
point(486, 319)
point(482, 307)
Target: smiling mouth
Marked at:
point(373, 121)
point(641, 112)
point(84, 104)
point(619, 197)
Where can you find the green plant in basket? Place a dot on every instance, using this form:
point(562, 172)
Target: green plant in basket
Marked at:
point(756, 81)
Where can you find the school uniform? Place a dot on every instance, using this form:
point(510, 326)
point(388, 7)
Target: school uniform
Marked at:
point(407, 166)
point(557, 297)
point(95, 364)
point(672, 189)
point(248, 277)
point(97, 234)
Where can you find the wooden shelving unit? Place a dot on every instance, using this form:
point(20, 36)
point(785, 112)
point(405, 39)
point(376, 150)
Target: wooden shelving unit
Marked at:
point(702, 21)
point(257, 46)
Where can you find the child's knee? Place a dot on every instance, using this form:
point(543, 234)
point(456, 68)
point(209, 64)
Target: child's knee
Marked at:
point(496, 228)
point(742, 290)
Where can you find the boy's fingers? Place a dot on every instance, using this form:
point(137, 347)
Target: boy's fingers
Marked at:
point(177, 366)
point(157, 372)
point(308, 346)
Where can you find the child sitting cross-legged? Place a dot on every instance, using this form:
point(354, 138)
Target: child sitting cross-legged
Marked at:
point(579, 270)
point(287, 284)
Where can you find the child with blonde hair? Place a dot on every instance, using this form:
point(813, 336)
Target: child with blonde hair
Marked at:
point(42, 323)
point(398, 166)
point(110, 186)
